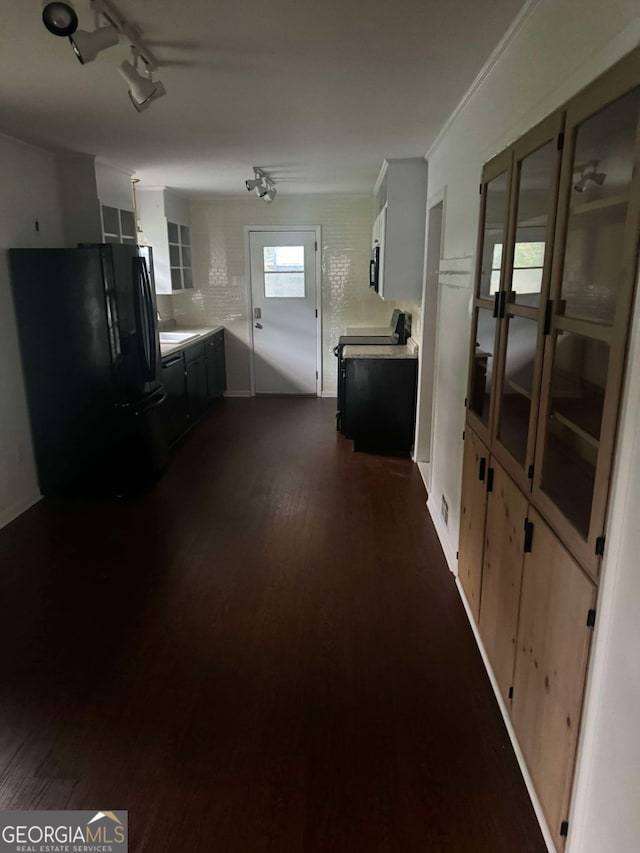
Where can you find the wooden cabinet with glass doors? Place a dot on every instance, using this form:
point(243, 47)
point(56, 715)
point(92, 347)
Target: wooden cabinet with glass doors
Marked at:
point(556, 272)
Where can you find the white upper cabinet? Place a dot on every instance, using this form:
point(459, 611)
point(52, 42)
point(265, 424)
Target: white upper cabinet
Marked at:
point(401, 203)
point(96, 201)
point(164, 219)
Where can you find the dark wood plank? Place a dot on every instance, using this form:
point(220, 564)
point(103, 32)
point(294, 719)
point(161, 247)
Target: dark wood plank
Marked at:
point(266, 652)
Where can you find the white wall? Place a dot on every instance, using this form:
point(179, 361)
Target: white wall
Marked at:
point(557, 49)
point(220, 282)
point(28, 193)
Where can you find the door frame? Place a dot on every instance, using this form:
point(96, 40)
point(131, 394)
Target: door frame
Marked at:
point(425, 412)
point(249, 294)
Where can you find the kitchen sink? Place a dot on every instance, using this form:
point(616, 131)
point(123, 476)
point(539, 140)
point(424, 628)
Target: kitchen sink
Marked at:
point(176, 337)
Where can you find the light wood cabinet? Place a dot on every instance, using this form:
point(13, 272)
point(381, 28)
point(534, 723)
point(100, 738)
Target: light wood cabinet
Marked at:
point(504, 540)
point(554, 636)
point(472, 518)
point(557, 264)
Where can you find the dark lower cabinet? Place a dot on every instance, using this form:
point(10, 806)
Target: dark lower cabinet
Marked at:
point(193, 378)
point(173, 379)
point(215, 366)
point(380, 402)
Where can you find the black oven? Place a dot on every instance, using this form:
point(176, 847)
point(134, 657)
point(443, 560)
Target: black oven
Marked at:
point(395, 333)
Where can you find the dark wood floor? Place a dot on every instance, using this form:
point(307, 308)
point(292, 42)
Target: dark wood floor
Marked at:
point(264, 653)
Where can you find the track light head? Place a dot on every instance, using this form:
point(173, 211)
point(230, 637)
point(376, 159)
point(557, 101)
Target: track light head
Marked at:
point(60, 18)
point(87, 45)
point(253, 185)
point(142, 90)
point(270, 194)
point(589, 174)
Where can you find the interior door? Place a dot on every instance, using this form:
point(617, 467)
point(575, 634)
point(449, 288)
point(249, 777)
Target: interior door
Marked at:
point(283, 290)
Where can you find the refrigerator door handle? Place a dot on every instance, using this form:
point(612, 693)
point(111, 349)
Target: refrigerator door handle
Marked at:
point(142, 317)
point(157, 400)
point(151, 326)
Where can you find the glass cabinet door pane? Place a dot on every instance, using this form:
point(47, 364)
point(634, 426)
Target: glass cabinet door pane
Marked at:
point(174, 256)
point(172, 232)
point(602, 172)
point(515, 404)
point(495, 226)
point(578, 384)
point(535, 195)
point(482, 365)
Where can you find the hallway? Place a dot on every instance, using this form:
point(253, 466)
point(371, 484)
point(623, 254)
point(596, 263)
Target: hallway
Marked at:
point(266, 652)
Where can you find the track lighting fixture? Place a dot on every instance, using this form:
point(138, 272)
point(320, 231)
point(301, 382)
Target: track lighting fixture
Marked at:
point(87, 45)
point(258, 183)
point(142, 89)
point(588, 173)
point(262, 185)
point(60, 18)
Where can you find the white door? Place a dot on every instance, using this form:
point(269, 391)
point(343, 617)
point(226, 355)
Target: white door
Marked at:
point(283, 291)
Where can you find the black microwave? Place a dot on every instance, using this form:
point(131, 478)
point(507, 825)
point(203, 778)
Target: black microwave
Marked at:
point(374, 269)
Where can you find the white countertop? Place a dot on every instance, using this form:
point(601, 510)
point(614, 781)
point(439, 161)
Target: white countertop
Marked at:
point(408, 350)
point(199, 332)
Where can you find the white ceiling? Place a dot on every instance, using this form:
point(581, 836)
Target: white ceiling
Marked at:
point(317, 94)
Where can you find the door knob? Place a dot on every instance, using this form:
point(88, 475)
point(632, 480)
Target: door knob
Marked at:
point(259, 326)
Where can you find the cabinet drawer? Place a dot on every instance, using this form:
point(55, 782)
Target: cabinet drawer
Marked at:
point(194, 352)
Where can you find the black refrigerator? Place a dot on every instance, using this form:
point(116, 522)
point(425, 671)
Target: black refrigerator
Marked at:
point(86, 321)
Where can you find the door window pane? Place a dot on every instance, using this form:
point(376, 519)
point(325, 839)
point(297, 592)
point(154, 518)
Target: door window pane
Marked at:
point(482, 366)
point(284, 272)
point(602, 173)
point(495, 220)
point(515, 408)
point(535, 197)
point(578, 384)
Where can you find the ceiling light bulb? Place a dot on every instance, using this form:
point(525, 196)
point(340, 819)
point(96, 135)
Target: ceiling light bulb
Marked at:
point(142, 90)
point(270, 195)
point(87, 45)
point(60, 18)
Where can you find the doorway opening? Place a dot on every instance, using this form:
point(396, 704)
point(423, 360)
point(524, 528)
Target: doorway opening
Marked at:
point(428, 344)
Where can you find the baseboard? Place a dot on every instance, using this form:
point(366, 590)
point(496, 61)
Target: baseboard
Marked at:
point(535, 802)
point(329, 394)
point(237, 394)
point(8, 515)
point(442, 532)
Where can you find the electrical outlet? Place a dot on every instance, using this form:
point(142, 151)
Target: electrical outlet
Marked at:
point(444, 511)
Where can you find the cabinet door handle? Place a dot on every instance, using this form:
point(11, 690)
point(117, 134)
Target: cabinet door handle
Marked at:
point(483, 469)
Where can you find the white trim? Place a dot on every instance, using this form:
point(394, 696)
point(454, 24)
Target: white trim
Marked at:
point(381, 174)
point(437, 198)
point(441, 530)
point(329, 394)
point(535, 802)
point(11, 513)
point(505, 42)
point(238, 394)
point(247, 278)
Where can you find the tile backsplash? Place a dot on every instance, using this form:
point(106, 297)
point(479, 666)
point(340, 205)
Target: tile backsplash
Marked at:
point(220, 294)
